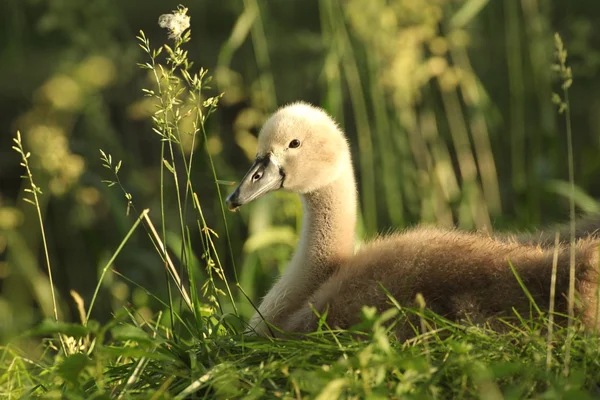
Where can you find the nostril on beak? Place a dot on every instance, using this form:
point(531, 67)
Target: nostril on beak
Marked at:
point(257, 176)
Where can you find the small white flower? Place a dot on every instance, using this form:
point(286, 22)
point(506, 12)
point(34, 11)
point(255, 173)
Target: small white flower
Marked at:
point(176, 22)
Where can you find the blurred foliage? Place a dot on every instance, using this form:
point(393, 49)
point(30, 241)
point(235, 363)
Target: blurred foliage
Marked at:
point(447, 104)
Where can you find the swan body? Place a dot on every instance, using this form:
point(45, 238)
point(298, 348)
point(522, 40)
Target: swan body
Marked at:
point(461, 275)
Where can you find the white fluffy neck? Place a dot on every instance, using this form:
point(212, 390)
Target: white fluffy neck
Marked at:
point(327, 238)
point(328, 230)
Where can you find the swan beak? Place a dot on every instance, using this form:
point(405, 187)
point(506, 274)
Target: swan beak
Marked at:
point(263, 177)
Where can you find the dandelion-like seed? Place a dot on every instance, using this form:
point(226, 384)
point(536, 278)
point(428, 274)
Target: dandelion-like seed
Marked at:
point(176, 22)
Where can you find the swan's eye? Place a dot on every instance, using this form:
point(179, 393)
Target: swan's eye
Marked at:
point(294, 144)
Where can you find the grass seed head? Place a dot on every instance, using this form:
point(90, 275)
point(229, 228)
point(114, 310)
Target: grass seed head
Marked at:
point(176, 22)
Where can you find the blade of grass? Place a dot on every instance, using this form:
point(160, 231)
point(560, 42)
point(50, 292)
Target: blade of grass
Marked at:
point(524, 288)
point(35, 190)
point(210, 246)
point(516, 87)
point(565, 107)
point(361, 117)
point(551, 308)
point(134, 283)
point(170, 267)
point(142, 216)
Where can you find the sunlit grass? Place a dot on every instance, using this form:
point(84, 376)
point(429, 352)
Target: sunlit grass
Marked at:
point(449, 361)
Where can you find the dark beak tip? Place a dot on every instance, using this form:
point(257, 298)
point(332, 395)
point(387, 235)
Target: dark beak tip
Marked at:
point(232, 202)
point(233, 207)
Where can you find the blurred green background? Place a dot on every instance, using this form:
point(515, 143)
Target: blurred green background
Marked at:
point(447, 104)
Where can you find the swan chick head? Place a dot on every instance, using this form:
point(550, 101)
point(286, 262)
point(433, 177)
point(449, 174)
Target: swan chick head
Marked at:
point(300, 149)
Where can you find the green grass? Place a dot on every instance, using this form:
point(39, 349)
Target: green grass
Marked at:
point(451, 361)
point(428, 157)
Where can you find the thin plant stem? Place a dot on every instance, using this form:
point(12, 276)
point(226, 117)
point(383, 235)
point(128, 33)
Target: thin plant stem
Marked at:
point(516, 88)
point(112, 260)
point(162, 170)
point(261, 50)
point(35, 190)
point(164, 230)
point(420, 300)
point(552, 300)
point(179, 202)
point(107, 160)
point(571, 233)
point(170, 267)
point(361, 115)
point(566, 77)
point(214, 173)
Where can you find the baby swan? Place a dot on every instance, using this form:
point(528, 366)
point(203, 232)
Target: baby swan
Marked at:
point(461, 275)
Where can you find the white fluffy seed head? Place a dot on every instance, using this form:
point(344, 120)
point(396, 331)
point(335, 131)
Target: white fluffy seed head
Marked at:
point(176, 22)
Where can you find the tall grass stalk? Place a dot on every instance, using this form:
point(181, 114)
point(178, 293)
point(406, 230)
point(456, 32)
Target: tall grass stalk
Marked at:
point(476, 100)
point(261, 54)
point(164, 127)
point(536, 15)
point(552, 300)
point(333, 97)
point(107, 162)
point(142, 216)
point(172, 84)
point(343, 47)
point(163, 226)
point(170, 114)
point(145, 45)
point(566, 79)
point(383, 129)
point(35, 190)
point(169, 264)
point(472, 198)
point(443, 174)
point(516, 88)
point(210, 246)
